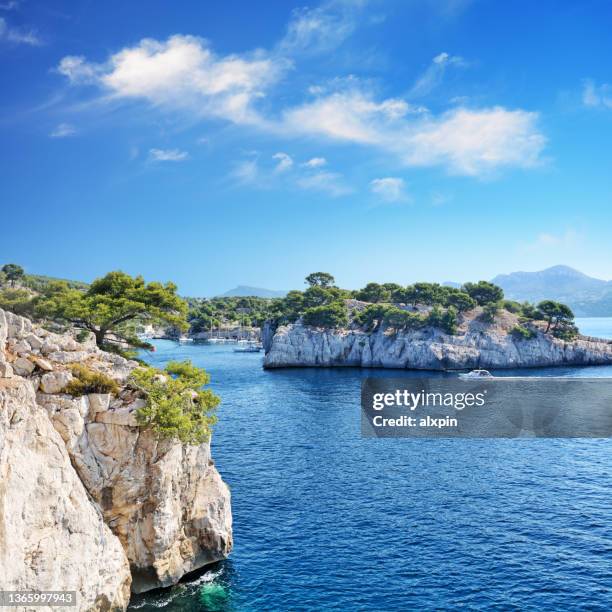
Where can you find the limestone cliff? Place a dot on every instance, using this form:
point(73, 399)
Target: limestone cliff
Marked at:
point(161, 507)
point(476, 344)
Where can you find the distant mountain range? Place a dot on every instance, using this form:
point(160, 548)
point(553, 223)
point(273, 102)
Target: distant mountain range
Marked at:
point(246, 291)
point(585, 295)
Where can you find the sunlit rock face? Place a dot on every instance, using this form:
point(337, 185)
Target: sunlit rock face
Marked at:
point(162, 505)
point(476, 345)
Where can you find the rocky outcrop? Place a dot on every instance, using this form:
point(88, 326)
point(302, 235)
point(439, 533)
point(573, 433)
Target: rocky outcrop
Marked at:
point(162, 503)
point(51, 536)
point(476, 345)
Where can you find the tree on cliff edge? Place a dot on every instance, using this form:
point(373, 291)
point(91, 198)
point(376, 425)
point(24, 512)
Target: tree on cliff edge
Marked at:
point(13, 273)
point(320, 279)
point(112, 304)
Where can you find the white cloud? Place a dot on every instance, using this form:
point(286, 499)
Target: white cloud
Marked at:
point(351, 116)
point(331, 183)
point(284, 162)
point(17, 36)
point(432, 77)
point(389, 189)
point(315, 162)
point(246, 171)
point(63, 130)
point(594, 95)
point(468, 142)
point(321, 29)
point(182, 73)
point(9, 6)
point(173, 155)
point(475, 142)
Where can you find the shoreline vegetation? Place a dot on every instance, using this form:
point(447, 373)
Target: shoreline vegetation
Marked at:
point(118, 308)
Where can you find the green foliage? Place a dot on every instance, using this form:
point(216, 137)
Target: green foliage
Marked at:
point(372, 316)
point(373, 293)
point(332, 315)
point(566, 331)
point(177, 406)
point(13, 273)
point(112, 304)
point(207, 314)
point(82, 335)
point(320, 279)
point(403, 319)
point(87, 381)
point(555, 313)
point(458, 299)
point(529, 311)
point(18, 301)
point(512, 306)
point(484, 292)
point(317, 296)
point(522, 333)
point(449, 320)
point(428, 294)
point(490, 311)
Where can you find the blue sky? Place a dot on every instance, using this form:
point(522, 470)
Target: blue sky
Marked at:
point(225, 143)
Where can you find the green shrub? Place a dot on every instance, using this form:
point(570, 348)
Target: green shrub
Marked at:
point(512, 306)
point(522, 333)
point(567, 331)
point(18, 301)
point(328, 315)
point(87, 381)
point(176, 404)
point(489, 311)
point(372, 316)
point(402, 319)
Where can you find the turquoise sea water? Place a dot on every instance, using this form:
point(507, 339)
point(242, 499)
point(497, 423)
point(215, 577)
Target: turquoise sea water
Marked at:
point(325, 520)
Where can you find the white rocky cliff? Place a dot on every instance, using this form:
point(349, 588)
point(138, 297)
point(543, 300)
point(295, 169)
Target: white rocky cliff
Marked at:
point(475, 345)
point(90, 501)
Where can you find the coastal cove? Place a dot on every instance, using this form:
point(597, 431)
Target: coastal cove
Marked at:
point(324, 519)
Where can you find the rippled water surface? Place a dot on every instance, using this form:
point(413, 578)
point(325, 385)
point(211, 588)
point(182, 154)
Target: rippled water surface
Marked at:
point(324, 520)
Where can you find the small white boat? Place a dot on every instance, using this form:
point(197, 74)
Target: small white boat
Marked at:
point(476, 375)
point(251, 347)
point(185, 339)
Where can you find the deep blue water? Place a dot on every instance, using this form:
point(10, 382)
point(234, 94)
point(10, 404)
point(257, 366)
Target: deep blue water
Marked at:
point(326, 520)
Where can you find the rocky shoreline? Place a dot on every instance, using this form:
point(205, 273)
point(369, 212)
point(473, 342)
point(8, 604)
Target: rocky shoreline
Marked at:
point(91, 501)
point(476, 345)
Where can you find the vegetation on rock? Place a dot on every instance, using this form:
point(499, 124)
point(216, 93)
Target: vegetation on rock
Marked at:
point(111, 305)
point(87, 381)
point(176, 404)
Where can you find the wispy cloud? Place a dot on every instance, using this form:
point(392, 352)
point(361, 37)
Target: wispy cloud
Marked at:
point(284, 162)
point(546, 241)
point(63, 130)
point(321, 29)
point(246, 171)
point(163, 155)
point(17, 35)
point(184, 76)
point(9, 6)
point(433, 76)
point(594, 95)
point(331, 183)
point(389, 189)
point(315, 162)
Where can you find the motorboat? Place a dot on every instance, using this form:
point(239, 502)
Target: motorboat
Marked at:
point(476, 375)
